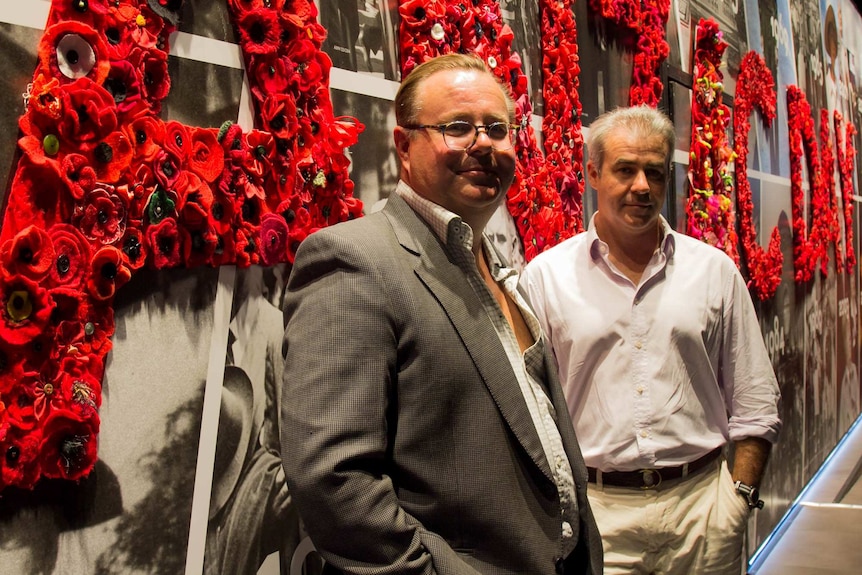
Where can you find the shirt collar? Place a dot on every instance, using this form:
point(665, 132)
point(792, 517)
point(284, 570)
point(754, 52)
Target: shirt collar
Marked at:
point(598, 248)
point(447, 226)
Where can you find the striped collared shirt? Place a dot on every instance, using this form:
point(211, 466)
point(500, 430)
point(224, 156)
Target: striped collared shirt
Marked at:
point(529, 367)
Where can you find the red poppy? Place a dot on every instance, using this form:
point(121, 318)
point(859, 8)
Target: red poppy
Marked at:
point(90, 113)
point(279, 116)
point(224, 252)
point(165, 243)
point(19, 456)
point(199, 245)
point(246, 248)
point(101, 217)
point(268, 75)
point(157, 81)
point(147, 133)
point(97, 318)
point(146, 27)
point(134, 248)
point(111, 156)
point(78, 175)
point(273, 239)
point(30, 253)
point(71, 50)
point(68, 449)
point(26, 310)
point(178, 142)
point(124, 84)
point(222, 213)
point(259, 31)
point(205, 158)
point(108, 273)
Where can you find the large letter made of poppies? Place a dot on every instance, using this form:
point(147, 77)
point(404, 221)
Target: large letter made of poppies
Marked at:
point(104, 187)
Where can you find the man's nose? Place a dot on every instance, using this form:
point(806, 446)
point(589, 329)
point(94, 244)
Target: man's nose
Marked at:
point(640, 184)
point(483, 143)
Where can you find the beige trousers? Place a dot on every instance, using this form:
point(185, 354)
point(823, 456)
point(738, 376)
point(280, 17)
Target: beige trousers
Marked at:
point(692, 526)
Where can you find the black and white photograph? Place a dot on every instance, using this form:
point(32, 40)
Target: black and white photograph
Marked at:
point(362, 35)
point(253, 527)
point(373, 161)
point(522, 16)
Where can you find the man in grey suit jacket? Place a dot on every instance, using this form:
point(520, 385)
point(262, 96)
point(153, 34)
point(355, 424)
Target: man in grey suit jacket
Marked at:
point(423, 426)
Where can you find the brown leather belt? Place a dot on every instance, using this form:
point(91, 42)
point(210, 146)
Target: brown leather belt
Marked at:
point(652, 478)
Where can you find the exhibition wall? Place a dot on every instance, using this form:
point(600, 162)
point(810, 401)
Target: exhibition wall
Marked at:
point(188, 400)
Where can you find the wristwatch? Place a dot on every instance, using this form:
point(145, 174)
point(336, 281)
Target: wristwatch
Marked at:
point(751, 494)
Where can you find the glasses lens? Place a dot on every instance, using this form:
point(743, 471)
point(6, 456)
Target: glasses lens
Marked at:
point(458, 135)
point(498, 131)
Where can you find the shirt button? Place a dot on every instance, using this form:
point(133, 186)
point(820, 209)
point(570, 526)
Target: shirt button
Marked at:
point(640, 389)
point(644, 433)
point(638, 345)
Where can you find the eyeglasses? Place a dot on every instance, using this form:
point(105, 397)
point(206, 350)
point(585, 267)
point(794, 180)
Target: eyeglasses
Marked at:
point(461, 135)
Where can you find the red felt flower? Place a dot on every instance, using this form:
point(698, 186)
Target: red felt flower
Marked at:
point(268, 74)
point(89, 115)
point(278, 115)
point(246, 245)
point(70, 50)
point(178, 142)
point(259, 31)
point(124, 84)
point(19, 455)
point(30, 253)
point(111, 156)
point(71, 256)
point(157, 82)
point(147, 133)
point(108, 273)
point(206, 158)
point(273, 239)
point(69, 446)
point(26, 310)
point(134, 248)
point(78, 174)
point(165, 243)
point(98, 321)
point(101, 216)
point(199, 245)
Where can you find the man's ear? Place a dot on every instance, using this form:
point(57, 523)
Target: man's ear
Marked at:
point(402, 139)
point(592, 173)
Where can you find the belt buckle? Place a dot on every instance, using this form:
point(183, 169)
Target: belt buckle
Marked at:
point(650, 478)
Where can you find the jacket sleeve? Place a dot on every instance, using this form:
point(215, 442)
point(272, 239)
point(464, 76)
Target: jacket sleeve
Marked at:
point(337, 420)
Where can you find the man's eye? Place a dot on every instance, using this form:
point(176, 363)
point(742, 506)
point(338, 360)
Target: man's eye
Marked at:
point(498, 131)
point(458, 128)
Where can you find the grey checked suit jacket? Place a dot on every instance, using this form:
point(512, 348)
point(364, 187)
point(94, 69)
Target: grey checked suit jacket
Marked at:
point(406, 441)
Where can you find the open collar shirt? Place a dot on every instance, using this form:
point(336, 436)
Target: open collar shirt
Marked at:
point(660, 373)
point(457, 238)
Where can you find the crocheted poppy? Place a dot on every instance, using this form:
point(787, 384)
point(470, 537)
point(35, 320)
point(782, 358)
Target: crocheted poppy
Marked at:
point(205, 158)
point(108, 273)
point(273, 239)
point(165, 244)
point(146, 133)
point(26, 309)
point(111, 156)
point(70, 50)
point(69, 446)
point(259, 31)
point(101, 216)
point(30, 253)
point(19, 455)
point(134, 248)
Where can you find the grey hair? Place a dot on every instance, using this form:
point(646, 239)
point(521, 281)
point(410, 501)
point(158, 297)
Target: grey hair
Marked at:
point(642, 120)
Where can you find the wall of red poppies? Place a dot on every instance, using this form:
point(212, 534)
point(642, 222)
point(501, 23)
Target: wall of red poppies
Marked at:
point(135, 171)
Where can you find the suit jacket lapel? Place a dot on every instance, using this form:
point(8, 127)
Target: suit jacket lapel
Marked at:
point(447, 283)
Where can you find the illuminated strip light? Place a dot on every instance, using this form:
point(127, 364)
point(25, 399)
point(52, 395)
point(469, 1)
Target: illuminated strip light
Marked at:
point(783, 524)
